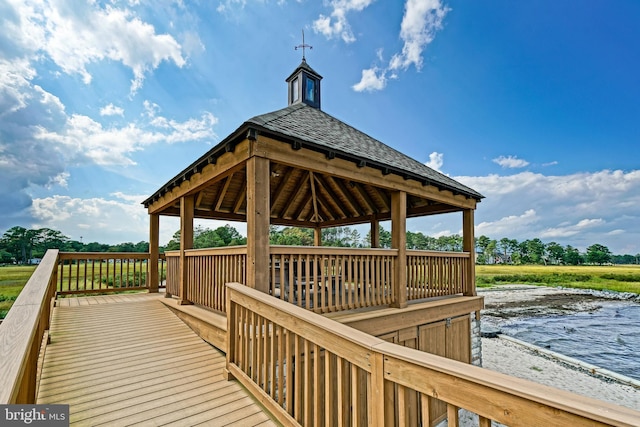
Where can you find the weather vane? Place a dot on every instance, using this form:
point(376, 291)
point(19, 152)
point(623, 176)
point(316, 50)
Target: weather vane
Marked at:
point(303, 46)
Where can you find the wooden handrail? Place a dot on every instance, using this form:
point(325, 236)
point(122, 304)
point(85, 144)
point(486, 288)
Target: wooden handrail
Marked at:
point(22, 331)
point(328, 250)
point(102, 255)
point(438, 254)
point(277, 348)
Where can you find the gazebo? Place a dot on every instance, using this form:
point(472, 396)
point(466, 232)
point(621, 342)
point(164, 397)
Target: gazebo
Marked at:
point(301, 167)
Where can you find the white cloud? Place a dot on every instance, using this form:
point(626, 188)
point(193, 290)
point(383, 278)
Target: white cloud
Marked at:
point(436, 161)
point(77, 34)
point(118, 219)
point(511, 162)
point(336, 24)
point(571, 229)
point(372, 79)
point(422, 19)
point(103, 218)
point(83, 139)
point(33, 120)
point(581, 208)
point(111, 110)
point(508, 225)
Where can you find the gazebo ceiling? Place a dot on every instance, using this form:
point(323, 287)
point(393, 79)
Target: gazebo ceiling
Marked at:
point(304, 198)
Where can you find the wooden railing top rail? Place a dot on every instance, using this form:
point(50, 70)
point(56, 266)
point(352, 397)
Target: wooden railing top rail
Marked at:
point(103, 255)
point(328, 250)
point(442, 254)
point(503, 398)
point(224, 250)
point(320, 250)
point(19, 329)
point(509, 400)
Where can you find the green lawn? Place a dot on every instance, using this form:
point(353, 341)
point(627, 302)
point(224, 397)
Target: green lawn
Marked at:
point(12, 280)
point(624, 278)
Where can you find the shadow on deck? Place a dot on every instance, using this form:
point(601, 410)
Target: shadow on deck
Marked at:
point(126, 359)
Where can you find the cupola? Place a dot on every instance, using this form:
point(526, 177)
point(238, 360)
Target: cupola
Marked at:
point(304, 85)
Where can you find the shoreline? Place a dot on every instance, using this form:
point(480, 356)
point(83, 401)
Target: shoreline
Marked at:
point(511, 356)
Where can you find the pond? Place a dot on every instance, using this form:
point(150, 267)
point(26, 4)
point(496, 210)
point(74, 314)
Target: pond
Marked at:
point(608, 337)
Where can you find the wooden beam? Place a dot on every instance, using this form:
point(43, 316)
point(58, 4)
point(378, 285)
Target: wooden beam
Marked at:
point(318, 162)
point(258, 220)
point(384, 196)
point(305, 205)
point(351, 201)
point(279, 191)
point(223, 192)
point(315, 216)
point(399, 242)
point(375, 234)
point(332, 195)
point(226, 163)
point(240, 199)
point(154, 247)
point(468, 245)
point(299, 189)
point(186, 242)
point(369, 204)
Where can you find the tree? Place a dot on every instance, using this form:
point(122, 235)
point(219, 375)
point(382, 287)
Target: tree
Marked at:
point(598, 254)
point(291, 236)
point(385, 238)
point(555, 252)
point(572, 256)
point(341, 237)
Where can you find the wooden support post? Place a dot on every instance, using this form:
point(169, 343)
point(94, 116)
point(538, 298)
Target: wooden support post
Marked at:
point(187, 208)
point(375, 233)
point(399, 242)
point(376, 403)
point(317, 236)
point(154, 243)
point(468, 245)
point(258, 220)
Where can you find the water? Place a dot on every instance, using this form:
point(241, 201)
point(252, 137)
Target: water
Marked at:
point(608, 337)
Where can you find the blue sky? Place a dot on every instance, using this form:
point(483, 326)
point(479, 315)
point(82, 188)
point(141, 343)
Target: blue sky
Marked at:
point(533, 104)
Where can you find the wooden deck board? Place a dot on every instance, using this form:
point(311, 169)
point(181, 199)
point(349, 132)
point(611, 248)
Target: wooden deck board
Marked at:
point(126, 359)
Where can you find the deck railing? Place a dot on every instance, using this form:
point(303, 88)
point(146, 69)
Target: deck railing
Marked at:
point(309, 370)
point(100, 272)
point(327, 279)
point(207, 272)
point(22, 333)
point(433, 274)
point(320, 279)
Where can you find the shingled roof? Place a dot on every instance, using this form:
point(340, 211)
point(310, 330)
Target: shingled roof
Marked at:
point(320, 131)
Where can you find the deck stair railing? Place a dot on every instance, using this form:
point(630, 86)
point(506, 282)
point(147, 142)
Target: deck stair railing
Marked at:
point(23, 332)
point(309, 370)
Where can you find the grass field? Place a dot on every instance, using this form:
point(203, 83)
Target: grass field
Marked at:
point(624, 278)
point(12, 280)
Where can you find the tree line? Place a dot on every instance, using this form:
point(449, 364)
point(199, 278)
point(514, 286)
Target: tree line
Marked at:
point(20, 245)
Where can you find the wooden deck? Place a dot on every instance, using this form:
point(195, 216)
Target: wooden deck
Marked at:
point(122, 360)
